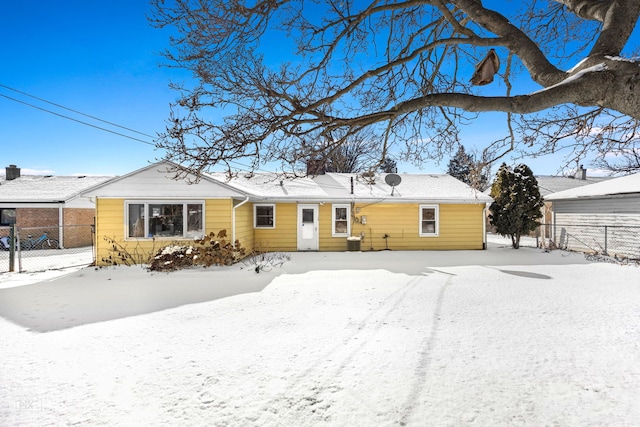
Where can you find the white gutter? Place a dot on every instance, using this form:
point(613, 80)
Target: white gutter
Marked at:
point(233, 220)
point(440, 200)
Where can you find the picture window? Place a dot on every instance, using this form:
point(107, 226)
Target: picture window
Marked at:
point(165, 219)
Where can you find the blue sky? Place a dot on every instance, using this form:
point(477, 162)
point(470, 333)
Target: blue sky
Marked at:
point(102, 59)
point(99, 58)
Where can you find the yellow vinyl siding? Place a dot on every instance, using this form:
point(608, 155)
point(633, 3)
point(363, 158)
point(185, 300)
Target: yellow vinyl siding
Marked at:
point(218, 216)
point(284, 237)
point(244, 226)
point(460, 227)
point(327, 241)
point(110, 224)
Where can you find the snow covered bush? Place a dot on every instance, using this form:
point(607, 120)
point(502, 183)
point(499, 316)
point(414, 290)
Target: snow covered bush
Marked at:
point(173, 257)
point(212, 249)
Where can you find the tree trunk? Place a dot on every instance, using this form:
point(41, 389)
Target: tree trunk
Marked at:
point(515, 240)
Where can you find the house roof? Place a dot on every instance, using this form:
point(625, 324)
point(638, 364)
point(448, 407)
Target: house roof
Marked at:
point(550, 184)
point(553, 184)
point(276, 187)
point(144, 183)
point(46, 189)
point(338, 186)
point(624, 185)
point(271, 185)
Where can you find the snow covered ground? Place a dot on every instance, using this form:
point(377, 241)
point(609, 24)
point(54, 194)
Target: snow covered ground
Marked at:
point(44, 260)
point(495, 337)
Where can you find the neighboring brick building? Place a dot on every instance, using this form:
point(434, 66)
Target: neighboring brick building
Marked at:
point(50, 202)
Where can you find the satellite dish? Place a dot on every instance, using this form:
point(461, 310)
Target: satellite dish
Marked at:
point(392, 179)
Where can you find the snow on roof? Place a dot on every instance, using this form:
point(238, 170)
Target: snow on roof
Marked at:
point(337, 186)
point(440, 187)
point(271, 185)
point(623, 185)
point(553, 184)
point(46, 188)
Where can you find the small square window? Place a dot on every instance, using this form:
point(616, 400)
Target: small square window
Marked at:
point(264, 216)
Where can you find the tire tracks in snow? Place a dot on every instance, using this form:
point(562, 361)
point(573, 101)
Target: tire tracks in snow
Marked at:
point(313, 391)
point(424, 364)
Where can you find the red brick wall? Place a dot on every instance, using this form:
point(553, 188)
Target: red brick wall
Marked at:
point(78, 216)
point(77, 227)
point(37, 217)
point(77, 224)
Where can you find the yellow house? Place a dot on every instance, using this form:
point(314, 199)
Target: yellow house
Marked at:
point(146, 209)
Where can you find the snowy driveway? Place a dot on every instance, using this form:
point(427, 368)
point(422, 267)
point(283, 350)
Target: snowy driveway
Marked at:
point(531, 338)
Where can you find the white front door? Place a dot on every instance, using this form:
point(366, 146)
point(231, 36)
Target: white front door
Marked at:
point(307, 227)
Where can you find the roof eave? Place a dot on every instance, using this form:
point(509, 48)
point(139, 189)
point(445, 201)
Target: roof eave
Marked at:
point(290, 199)
point(591, 196)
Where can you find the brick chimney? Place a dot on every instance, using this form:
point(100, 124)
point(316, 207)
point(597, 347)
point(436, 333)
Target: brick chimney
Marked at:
point(12, 172)
point(581, 173)
point(316, 167)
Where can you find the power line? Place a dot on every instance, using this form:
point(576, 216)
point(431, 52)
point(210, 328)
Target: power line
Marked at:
point(72, 110)
point(94, 118)
point(79, 121)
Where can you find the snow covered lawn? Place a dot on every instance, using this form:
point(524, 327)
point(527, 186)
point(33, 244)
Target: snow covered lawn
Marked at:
point(496, 337)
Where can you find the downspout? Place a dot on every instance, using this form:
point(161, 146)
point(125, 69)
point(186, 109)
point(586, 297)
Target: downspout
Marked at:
point(554, 235)
point(61, 224)
point(233, 219)
point(484, 227)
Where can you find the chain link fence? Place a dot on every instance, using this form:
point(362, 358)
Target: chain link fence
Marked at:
point(46, 248)
point(613, 240)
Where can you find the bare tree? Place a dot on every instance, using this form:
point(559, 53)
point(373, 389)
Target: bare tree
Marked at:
point(284, 72)
point(337, 153)
point(620, 161)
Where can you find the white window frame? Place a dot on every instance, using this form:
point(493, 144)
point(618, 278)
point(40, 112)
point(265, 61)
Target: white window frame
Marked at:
point(436, 209)
point(333, 220)
point(185, 216)
point(255, 215)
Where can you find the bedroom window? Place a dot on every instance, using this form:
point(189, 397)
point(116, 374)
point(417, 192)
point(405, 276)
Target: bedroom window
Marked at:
point(429, 220)
point(264, 216)
point(340, 221)
point(165, 219)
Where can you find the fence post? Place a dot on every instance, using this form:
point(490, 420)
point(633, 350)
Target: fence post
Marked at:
point(606, 235)
point(12, 248)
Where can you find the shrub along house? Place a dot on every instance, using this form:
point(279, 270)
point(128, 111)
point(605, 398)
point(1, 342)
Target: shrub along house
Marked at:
point(38, 203)
point(268, 212)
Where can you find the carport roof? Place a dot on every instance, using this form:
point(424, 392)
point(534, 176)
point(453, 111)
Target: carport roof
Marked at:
point(46, 188)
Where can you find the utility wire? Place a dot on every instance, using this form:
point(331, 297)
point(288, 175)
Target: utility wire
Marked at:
point(72, 110)
point(79, 121)
point(89, 124)
point(94, 118)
